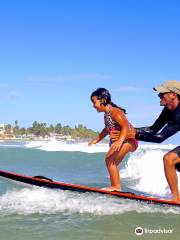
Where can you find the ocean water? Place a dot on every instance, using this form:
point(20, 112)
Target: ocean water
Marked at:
point(39, 213)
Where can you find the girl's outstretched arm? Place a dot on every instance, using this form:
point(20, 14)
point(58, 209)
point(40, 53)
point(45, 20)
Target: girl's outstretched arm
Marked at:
point(102, 135)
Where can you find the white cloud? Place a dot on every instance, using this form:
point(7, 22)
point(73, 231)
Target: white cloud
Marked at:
point(93, 76)
point(129, 89)
point(13, 94)
point(47, 81)
point(43, 80)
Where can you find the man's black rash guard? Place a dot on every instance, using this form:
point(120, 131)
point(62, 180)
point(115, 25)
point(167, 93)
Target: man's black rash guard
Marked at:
point(168, 120)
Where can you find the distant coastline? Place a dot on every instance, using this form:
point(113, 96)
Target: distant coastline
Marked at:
point(42, 131)
point(46, 138)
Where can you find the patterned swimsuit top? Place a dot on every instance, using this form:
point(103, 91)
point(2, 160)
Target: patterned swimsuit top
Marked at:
point(110, 124)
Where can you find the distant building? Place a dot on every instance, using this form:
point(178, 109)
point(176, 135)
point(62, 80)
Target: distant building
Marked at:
point(2, 129)
point(6, 131)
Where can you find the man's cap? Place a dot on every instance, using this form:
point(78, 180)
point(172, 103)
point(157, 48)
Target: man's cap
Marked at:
point(169, 86)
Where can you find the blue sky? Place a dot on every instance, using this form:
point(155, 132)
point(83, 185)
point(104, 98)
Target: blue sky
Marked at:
point(53, 54)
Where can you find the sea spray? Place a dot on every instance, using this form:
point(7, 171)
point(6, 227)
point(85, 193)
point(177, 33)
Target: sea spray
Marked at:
point(68, 147)
point(146, 168)
point(141, 171)
point(55, 145)
point(28, 201)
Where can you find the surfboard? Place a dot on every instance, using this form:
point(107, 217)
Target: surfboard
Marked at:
point(42, 181)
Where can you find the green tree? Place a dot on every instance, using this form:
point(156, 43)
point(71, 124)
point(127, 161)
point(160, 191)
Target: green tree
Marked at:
point(8, 129)
point(58, 128)
point(39, 129)
point(16, 128)
point(22, 131)
point(66, 130)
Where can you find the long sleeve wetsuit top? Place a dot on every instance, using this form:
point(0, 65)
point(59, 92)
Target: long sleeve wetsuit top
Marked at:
point(168, 121)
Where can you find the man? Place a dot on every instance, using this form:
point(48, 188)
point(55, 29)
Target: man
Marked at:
point(169, 124)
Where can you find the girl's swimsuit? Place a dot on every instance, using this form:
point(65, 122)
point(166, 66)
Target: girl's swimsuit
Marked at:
point(111, 125)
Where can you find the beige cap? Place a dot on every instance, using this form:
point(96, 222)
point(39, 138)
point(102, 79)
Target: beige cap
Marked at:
point(169, 86)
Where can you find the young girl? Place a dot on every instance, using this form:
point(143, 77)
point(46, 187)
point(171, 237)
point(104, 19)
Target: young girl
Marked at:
point(114, 119)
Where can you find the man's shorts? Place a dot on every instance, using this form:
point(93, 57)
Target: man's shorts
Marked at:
point(177, 151)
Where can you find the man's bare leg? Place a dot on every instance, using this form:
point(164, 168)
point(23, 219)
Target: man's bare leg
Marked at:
point(170, 160)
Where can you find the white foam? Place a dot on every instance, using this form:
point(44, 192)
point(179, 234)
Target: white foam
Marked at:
point(54, 145)
point(70, 147)
point(43, 201)
point(157, 146)
point(145, 167)
point(10, 145)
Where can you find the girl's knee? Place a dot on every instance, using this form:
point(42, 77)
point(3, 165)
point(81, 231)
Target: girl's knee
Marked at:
point(109, 161)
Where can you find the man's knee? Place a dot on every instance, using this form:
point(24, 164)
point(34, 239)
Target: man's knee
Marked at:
point(169, 159)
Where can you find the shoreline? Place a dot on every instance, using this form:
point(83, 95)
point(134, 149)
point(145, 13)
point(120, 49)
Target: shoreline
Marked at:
point(85, 141)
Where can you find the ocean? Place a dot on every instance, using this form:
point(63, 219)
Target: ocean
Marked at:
point(28, 213)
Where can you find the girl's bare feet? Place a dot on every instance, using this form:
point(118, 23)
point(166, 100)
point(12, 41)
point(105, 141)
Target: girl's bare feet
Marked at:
point(176, 199)
point(111, 189)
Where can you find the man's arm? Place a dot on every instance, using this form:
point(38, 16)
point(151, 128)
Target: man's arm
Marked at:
point(158, 124)
point(167, 131)
point(146, 133)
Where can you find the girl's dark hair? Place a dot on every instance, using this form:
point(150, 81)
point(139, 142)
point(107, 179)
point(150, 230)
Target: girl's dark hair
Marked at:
point(104, 94)
point(178, 97)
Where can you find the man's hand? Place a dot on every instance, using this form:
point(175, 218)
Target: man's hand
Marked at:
point(115, 134)
point(132, 133)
